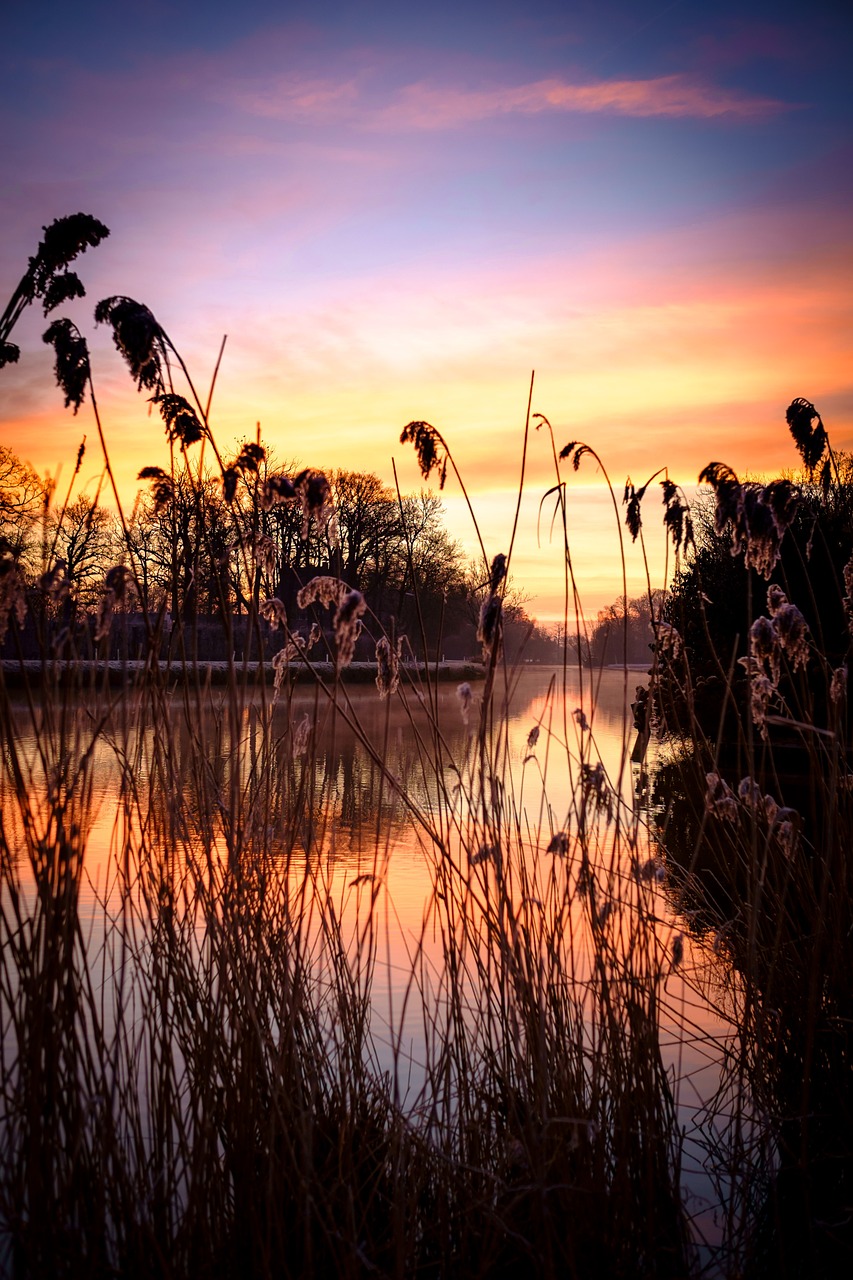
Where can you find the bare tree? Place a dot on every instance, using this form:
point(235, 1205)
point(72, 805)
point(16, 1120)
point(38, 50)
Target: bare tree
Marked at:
point(22, 501)
point(623, 631)
point(84, 537)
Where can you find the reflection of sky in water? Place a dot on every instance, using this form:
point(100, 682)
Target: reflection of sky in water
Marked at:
point(362, 828)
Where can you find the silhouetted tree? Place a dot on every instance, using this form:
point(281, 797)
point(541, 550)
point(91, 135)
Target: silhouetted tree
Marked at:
point(623, 632)
point(22, 500)
point(84, 538)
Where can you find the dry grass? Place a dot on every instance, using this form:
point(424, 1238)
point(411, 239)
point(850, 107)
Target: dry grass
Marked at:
point(194, 1077)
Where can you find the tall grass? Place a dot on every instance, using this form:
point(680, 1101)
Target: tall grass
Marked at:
point(753, 801)
point(205, 1064)
point(191, 1079)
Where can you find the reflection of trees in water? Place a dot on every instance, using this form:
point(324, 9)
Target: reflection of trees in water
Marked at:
point(360, 784)
point(351, 787)
point(192, 761)
point(770, 909)
point(333, 774)
point(290, 792)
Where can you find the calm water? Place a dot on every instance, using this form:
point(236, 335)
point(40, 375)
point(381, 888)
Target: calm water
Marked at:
point(363, 842)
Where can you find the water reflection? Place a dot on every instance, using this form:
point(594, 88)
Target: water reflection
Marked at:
point(357, 793)
point(346, 747)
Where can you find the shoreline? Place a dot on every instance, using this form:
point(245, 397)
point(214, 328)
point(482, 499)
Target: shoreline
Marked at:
point(19, 673)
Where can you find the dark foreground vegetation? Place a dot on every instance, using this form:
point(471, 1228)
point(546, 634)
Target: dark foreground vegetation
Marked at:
point(193, 1077)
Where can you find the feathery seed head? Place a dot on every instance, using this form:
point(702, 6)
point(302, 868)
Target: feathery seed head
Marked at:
point(72, 360)
point(347, 624)
point(349, 607)
point(62, 288)
point(274, 612)
point(250, 457)
point(301, 736)
point(775, 599)
point(838, 685)
point(315, 496)
point(429, 447)
point(277, 489)
point(785, 827)
point(764, 644)
point(783, 499)
point(596, 790)
point(668, 640)
point(719, 798)
point(793, 632)
point(230, 476)
point(677, 950)
point(64, 239)
point(104, 616)
point(139, 339)
point(497, 573)
point(13, 593)
point(182, 421)
point(54, 584)
point(807, 430)
point(489, 628)
point(633, 516)
point(264, 553)
point(727, 491)
point(676, 517)
point(388, 665)
point(323, 590)
point(162, 490)
point(750, 794)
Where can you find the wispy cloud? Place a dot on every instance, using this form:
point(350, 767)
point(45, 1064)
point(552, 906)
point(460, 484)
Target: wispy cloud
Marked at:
point(426, 105)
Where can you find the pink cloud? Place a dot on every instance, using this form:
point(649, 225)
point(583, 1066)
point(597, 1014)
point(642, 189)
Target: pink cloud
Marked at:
point(426, 105)
point(429, 107)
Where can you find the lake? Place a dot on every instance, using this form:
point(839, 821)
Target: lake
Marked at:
point(402, 822)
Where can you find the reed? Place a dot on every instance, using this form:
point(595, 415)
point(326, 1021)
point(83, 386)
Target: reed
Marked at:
point(191, 1077)
point(205, 1063)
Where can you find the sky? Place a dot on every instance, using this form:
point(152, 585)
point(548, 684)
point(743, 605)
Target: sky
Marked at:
point(400, 212)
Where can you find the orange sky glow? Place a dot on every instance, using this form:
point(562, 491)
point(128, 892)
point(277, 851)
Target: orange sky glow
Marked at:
point(659, 228)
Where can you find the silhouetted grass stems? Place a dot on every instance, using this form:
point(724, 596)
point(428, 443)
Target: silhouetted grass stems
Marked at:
point(206, 1060)
point(229, 1104)
point(228, 1048)
point(758, 804)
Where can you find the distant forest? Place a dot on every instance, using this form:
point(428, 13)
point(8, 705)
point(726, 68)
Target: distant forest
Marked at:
point(415, 578)
point(623, 633)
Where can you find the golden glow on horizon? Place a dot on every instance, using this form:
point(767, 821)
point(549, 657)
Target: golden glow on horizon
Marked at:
point(653, 359)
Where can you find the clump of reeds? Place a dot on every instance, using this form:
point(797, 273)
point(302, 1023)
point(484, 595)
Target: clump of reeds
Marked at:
point(194, 1078)
point(755, 806)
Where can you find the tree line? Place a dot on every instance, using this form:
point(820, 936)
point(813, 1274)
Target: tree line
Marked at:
point(623, 631)
point(198, 559)
point(238, 540)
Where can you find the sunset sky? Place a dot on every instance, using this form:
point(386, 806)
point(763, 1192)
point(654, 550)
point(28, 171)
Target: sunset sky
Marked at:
point(398, 211)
